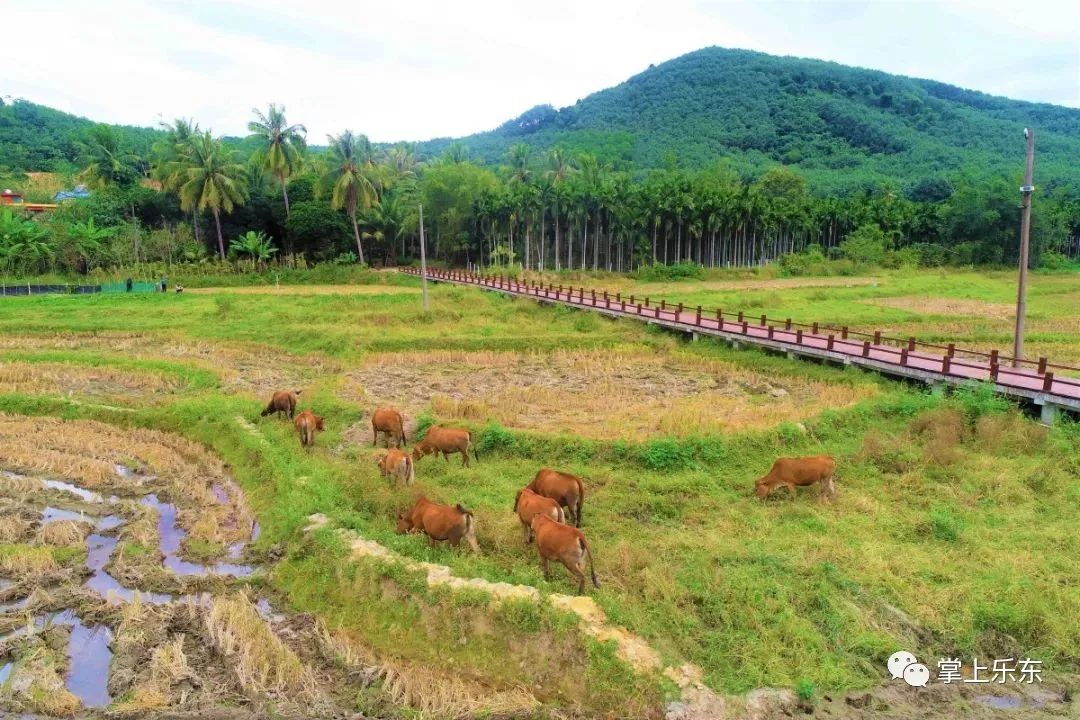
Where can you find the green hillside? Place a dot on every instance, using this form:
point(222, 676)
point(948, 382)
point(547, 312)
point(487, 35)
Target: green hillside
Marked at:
point(842, 126)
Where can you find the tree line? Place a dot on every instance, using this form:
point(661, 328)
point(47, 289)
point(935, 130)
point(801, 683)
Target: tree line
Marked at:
point(274, 199)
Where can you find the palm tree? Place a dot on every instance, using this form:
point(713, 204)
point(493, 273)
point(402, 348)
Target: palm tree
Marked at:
point(387, 220)
point(518, 155)
point(353, 178)
point(559, 170)
point(23, 242)
point(107, 163)
point(213, 181)
point(283, 145)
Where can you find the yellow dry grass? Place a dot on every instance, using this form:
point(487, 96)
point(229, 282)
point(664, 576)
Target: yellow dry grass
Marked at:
point(949, 307)
point(250, 367)
point(431, 692)
point(261, 661)
point(309, 290)
point(26, 560)
point(63, 532)
point(12, 528)
point(636, 394)
point(41, 686)
point(81, 380)
point(87, 452)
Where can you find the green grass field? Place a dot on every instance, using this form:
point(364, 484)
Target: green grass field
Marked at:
point(953, 533)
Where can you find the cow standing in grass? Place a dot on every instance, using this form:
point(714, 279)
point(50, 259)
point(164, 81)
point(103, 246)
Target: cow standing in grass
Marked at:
point(563, 488)
point(283, 401)
point(396, 464)
point(389, 422)
point(447, 441)
point(803, 471)
point(306, 424)
point(528, 504)
point(439, 522)
point(566, 544)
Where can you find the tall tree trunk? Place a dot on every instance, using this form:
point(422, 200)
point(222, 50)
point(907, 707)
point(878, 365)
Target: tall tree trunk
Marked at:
point(655, 226)
point(543, 233)
point(220, 238)
point(356, 232)
point(285, 194)
point(558, 260)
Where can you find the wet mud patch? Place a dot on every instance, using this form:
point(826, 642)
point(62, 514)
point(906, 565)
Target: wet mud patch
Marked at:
point(638, 393)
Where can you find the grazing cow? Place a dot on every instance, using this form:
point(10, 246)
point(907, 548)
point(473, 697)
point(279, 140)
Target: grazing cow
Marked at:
point(306, 424)
point(396, 464)
point(439, 522)
point(446, 441)
point(283, 401)
point(799, 471)
point(563, 488)
point(527, 504)
point(556, 541)
point(389, 422)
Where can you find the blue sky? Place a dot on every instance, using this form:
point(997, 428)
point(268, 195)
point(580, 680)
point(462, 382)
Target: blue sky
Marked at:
point(412, 69)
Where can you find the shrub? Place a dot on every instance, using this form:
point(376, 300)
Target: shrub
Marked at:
point(678, 271)
point(887, 453)
point(665, 454)
point(865, 246)
point(978, 399)
point(424, 421)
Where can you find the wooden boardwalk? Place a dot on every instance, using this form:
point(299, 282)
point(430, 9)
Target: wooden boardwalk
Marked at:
point(1040, 382)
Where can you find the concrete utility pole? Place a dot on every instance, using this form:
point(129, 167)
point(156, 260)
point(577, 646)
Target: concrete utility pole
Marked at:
point(423, 261)
point(1025, 229)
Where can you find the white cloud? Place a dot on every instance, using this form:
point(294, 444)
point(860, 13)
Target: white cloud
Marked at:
point(418, 69)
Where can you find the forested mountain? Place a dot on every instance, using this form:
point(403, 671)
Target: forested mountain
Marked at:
point(846, 128)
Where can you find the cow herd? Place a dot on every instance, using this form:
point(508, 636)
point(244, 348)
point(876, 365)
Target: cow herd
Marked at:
point(549, 508)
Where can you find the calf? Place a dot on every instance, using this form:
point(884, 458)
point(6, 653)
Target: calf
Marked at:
point(527, 504)
point(439, 522)
point(446, 441)
point(283, 401)
point(563, 488)
point(555, 541)
point(306, 424)
point(799, 471)
point(396, 464)
point(389, 422)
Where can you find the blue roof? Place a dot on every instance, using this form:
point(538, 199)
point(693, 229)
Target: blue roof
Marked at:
point(80, 191)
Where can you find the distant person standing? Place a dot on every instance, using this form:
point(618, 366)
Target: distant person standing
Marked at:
point(164, 284)
point(128, 284)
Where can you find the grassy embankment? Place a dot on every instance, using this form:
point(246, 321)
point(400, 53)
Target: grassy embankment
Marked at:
point(951, 535)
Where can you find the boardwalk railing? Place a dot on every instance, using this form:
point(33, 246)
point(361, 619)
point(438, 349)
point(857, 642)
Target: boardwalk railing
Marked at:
point(1039, 380)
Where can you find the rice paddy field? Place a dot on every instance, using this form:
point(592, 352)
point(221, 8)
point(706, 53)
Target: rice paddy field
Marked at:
point(166, 551)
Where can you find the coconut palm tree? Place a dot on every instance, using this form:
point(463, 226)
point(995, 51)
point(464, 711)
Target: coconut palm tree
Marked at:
point(283, 145)
point(107, 162)
point(353, 178)
point(213, 181)
point(86, 241)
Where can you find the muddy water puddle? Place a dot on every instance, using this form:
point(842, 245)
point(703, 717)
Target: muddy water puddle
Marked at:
point(88, 650)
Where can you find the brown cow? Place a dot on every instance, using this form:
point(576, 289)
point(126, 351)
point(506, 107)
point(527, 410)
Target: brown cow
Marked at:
point(306, 424)
point(389, 422)
point(283, 401)
point(396, 464)
point(527, 504)
point(446, 441)
point(563, 488)
point(799, 471)
point(439, 522)
point(556, 541)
